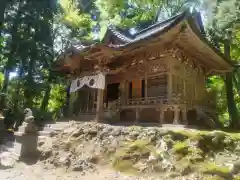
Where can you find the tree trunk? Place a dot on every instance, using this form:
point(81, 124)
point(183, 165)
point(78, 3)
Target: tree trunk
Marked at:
point(29, 89)
point(232, 108)
point(46, 95)
point(2, 12)
point(20, 75)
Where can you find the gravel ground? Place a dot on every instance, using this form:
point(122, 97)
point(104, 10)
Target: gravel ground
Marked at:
point(37, 172)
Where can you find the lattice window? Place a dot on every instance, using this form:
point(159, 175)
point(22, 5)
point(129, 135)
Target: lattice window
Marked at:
point(157, 86)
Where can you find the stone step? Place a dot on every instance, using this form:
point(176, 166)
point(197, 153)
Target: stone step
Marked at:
point(56, 126)
point(45, 133)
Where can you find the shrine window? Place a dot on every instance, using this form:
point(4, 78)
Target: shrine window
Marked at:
point(157, 86)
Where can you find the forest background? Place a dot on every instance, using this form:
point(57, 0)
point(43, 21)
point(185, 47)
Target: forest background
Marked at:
point(34, 32)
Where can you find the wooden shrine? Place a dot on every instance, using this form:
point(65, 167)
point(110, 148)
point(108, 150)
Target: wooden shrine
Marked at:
point(155, 75)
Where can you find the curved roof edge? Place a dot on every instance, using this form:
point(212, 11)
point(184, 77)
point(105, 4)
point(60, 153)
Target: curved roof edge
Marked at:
point(198, 30)
point(113, 32)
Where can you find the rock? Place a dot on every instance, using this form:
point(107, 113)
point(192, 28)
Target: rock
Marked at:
point(217, 136)
point(77, 133)
point(69, 130)
point(133, 135)
point(77, 167)
point(93, 158)
point(93, 131)
point(152, 158)
point(64, 160)
point(81, 165)
point(167, 165)
point(116, 132)
point(141, 166)
point(7, 160)
point(45, 154)
point(236, 167)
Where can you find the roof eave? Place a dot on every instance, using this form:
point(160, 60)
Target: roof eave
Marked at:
point(198, 34)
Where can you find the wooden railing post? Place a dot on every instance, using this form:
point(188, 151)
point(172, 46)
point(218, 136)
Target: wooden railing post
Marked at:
point(137, 115)
point(176, 111)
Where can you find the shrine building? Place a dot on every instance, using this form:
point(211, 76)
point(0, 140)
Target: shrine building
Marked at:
point(155, 75)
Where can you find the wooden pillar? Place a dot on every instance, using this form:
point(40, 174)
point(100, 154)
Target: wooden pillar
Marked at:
point(176, 115)
point(162, 113)
point(184, 116)
point(123, 92)
point(146, 86)
point(88, 99)
point(100, 108)
point(169, 88)
point(137, 115)
point(94, 100)
point(73, 98)
point(126, 92)
point(184, 90)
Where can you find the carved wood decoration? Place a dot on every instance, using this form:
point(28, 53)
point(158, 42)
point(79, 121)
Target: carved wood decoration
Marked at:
point(157, 68)
point(178, 87)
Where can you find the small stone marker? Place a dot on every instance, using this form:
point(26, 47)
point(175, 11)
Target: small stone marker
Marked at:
point(26, 137)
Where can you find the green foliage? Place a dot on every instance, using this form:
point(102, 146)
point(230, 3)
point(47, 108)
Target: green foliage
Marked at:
point(32, 30)
point(72, 16)
point(57, 98)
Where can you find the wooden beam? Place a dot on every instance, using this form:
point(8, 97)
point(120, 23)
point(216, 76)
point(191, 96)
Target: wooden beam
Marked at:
point(169, 89)
point(100, 107)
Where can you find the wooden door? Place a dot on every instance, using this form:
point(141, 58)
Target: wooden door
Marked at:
point(137, 88)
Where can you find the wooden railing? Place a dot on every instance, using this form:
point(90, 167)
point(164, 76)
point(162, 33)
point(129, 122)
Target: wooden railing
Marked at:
point(118, 104)
point(147, 100)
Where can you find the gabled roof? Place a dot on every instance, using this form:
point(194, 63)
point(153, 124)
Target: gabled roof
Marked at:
point(186, 26)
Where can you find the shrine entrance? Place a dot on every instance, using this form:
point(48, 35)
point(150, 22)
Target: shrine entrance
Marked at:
point(113, 92)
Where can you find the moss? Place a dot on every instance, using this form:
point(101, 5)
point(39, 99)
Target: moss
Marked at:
point(211, 168)
point(167, 138)
point(135, 128)
point(234, 136)
point(236, 178)
point(180, 148)
point(184, 167)
point(124, 166)
point(213, 178)
point(187, 134)
point(132, 152)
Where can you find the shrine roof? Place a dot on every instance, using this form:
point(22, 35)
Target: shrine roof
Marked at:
point(184, 30)
point(126, 38)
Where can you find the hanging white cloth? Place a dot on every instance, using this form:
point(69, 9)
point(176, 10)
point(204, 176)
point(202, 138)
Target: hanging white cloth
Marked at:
point(96, 81)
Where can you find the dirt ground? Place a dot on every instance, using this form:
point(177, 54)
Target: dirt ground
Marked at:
point(37, 172)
